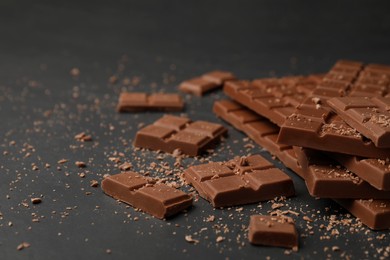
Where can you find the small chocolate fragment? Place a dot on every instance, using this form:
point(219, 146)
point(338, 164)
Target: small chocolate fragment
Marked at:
point(273, 231)
point(139, 101)
point(369, 116)
point(373, 213)
point(172, 132)
point(375, 171)
point(205, 83)
point(36, 200)
point(158, 200)
point(234, 183)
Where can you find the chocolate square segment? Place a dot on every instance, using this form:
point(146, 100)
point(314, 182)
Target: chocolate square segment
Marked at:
point(139, 101)
point(239, 181)
point(369, 116)
point(171, 132)
point(273, 231)
point(159, 200)
point(205, 83)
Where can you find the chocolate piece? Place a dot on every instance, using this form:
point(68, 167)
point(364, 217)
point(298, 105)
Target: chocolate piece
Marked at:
point(137, 101)
point(373, 213)
point(205, 83)
point(171, 132)
point(375, 171)
point(274, 98)
point(236, 114)
point(259, 129)
point(158, 200)
point(239, 181)
point(369, 116)
point(325, 178)
point(314, 125)
point(273, 231)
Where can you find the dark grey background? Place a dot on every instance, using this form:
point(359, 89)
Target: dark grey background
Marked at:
point(164, 42)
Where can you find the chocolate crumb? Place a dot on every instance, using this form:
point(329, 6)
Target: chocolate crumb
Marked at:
point(22, 246)
point(36, 200)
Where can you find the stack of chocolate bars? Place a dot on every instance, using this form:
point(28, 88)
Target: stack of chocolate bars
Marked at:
point(332, 130)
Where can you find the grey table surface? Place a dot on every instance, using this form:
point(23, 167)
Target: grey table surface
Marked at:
point(156, 44)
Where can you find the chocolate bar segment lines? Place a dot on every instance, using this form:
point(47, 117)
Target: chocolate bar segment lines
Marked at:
point(314, 125)
point(325, 178)
point(159, 200)
point(259, 129)
point(242, 180)
point(273, 231)
point(375, 171)
point(369, 116)
point(171, 132)
point(139, 101)
point(272, 98)
point(207, 82)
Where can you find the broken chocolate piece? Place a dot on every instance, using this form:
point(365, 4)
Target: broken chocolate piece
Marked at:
point(273, 98)
point(273, 231)
point(369, 116)
point(314, 125)
point(373, 213)
point(326, 178)
point(172, 132)
point(232, 183)
point(375, 171)
point(158, 200)
point(205, 83)
point(138, 101)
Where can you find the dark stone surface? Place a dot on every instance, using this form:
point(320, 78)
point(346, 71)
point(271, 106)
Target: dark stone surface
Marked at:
point(40, 41)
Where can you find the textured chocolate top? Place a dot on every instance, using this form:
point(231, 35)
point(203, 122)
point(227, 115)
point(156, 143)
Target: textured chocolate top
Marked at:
point(375, 171)
point(372, 213)
point(314, 125)
point(273, 98)
point(239, 181)
point(258, 128)
point(205, 83)
point(369, 116)
point(273, 231)
point(158, 200)
point(172, 132)
point(326, 178)
point(138, 101)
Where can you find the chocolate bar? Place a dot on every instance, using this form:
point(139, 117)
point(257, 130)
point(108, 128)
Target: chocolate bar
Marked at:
point(321, 176)
point(159, 200)
point(242, 180)
point(172, 132)
point(326, 178)
point(205, 83)
point(373, 213)
point(240, 116)
point(138, 101)
point(273, 98)
point(273, 231)
point(375, 171)
point(369, 116)
point(314, 125)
